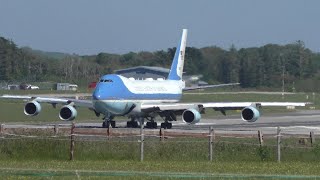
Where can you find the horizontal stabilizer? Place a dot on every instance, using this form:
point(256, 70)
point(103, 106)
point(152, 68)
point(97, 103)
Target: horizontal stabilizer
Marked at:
point(209, 86)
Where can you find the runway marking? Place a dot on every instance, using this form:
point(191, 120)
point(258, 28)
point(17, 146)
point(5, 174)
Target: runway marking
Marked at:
point(194, 124)
point(70, 173)
point(78, 176)
point(302, 127)
point(287, 117)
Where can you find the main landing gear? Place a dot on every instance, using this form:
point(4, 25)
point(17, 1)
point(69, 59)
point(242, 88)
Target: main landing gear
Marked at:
point(168, 116)
point(132, 123)
point(108, 121)
point(166, 125)
point(136, 122)
point(151, 125)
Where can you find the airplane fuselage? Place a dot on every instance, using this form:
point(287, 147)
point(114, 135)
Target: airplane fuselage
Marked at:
point(118, 95)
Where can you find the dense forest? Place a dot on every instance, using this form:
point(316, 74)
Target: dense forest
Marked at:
point(258, 67)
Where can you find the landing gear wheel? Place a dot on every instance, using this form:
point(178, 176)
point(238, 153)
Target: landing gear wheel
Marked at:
point(163, 125)
point(151, 125)
point(129, 124)
point(154, 125)
point(106, 124)
point(113, 124)
point(135, 124)
point(166, 125)
point(132, 124)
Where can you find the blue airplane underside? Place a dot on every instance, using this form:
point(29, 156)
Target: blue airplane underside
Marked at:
point(112, 108)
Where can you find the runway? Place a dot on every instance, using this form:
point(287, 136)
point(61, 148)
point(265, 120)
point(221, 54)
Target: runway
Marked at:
point(299, 122)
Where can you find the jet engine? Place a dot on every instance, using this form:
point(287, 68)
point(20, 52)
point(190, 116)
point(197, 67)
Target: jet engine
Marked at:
point(250, 114)
point(67, 113)
point(191, 116)
point(32, 108)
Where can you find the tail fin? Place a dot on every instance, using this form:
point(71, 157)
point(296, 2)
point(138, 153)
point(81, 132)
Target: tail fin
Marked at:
point(178, 60)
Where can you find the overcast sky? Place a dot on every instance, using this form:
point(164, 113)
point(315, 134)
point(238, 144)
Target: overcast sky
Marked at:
point(120, 26)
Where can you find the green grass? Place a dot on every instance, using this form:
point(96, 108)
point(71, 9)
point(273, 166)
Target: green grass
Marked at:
point(177, 149)
point(119, 158)
point(150, 169)
point(172, 159)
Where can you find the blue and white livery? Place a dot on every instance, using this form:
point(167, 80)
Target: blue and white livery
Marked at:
point(116, 95)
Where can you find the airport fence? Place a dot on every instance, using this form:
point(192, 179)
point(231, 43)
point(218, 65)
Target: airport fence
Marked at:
point(81, 143)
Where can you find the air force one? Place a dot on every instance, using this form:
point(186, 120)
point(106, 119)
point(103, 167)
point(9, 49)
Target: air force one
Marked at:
point(141, 100)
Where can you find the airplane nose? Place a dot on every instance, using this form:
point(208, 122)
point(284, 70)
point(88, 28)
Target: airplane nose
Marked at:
point(96, 95)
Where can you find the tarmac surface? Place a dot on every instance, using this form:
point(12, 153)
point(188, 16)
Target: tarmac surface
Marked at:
point(299, 122)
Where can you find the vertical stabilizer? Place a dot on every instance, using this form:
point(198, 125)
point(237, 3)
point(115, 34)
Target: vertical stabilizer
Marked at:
point(178, 60)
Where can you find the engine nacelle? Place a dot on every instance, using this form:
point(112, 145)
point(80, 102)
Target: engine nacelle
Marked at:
point(250, 114)
point(67, 113)
point(191, 116)
point(32, 108)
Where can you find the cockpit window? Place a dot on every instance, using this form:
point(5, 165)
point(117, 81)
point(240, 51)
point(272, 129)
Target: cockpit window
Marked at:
point(106, 80)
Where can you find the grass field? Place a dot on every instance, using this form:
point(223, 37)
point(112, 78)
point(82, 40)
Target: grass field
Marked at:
point(181, 158)
point(157, 170)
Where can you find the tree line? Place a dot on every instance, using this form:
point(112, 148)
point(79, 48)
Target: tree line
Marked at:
point(257, 67)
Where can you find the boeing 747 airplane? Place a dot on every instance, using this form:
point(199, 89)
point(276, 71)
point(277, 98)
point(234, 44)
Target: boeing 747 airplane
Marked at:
point(141, 100)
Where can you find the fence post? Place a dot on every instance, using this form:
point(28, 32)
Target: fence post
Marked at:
point(72, 141)
point(109, 132)
point(56, 129)
point(211, 132)
point(278, 143)
point(312, 138)
point(141, 140)
point(260, 136)
point(161, 134)
point(2, 129)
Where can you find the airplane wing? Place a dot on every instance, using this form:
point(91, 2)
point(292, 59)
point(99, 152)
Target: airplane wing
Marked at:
point(191, 111)
point(54, 101)
point(68, 111)
point(236, 105)
point(209, 86)
point(222, 105)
